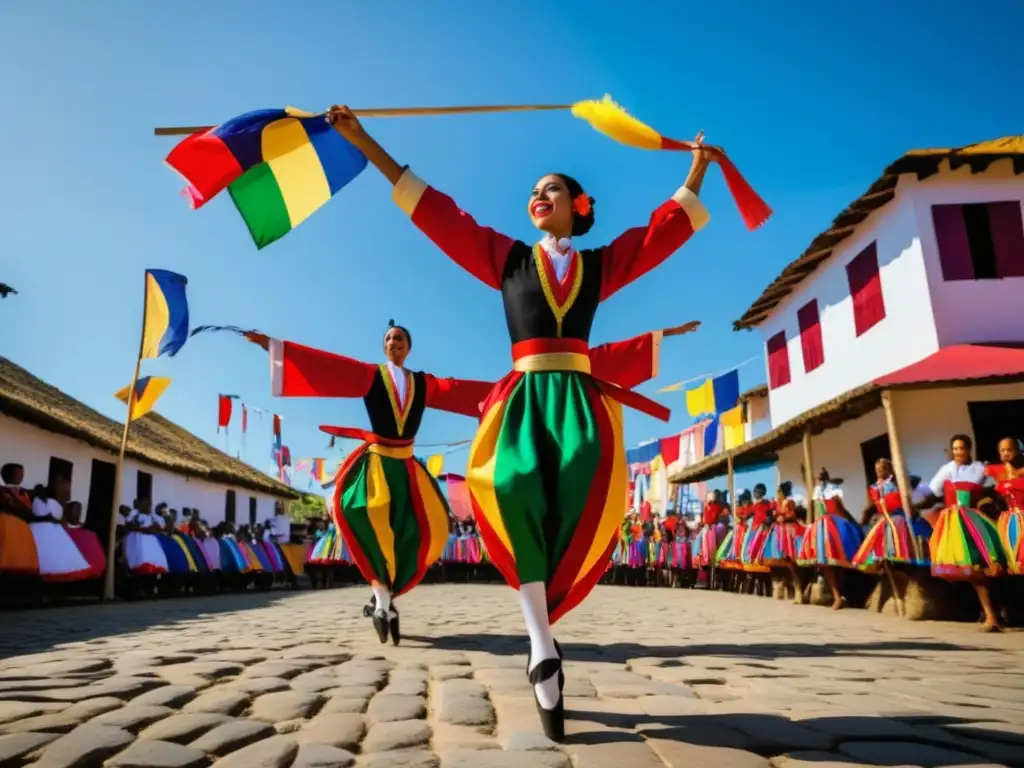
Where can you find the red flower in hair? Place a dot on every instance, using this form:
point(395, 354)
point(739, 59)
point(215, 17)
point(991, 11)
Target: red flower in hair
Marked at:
point(581, 204)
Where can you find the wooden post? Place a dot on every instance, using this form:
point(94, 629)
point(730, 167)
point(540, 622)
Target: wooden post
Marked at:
point(731, 487)
point(809, 474)
point(108, 586)
point(899, 467)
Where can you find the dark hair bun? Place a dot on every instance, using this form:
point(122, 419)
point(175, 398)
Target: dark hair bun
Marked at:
point(582, 224)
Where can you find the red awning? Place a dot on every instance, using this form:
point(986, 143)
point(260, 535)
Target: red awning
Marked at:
point(964, 362)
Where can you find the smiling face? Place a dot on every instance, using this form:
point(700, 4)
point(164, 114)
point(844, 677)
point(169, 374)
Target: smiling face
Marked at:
point(396, 345)
point(550, 206)
point(961, 452)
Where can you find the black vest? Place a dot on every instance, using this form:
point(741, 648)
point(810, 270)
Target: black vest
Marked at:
point(385, 411)
point(529, 314)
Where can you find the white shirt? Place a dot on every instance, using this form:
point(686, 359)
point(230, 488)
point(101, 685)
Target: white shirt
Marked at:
point(398, 377)
point(955, 473)
point(825, 491)
point(144, 520)
point(560, 252)
point(50, 507)
point(281, 527)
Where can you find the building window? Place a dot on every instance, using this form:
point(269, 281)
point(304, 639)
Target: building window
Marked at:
point(59, 474)
point(778, 361)
point(810, 335)
point(229, 507)
point(866, 290)
point(252, 510)
point(144, 486)
point(979, 241)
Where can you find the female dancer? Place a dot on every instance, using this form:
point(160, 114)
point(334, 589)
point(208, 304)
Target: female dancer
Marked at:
point(387, 507)
point(893, 538)
point(709, 537)
point(1008, 475)
point(833, 538)
point(784, 538)
point(965, 544)
point(547, 469)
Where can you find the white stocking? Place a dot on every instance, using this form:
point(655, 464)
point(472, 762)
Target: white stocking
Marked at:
point(534, 602)
point(383, 596)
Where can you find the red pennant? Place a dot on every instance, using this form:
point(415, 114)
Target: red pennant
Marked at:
point(223, 411)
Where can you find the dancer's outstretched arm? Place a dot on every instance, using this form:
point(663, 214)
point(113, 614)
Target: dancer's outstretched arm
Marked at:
point(479, 250)
point(631, 362)
point(300, 371)
point(462, 396)
point(637, 251)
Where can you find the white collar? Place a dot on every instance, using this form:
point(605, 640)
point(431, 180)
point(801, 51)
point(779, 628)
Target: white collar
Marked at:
point(557, 247)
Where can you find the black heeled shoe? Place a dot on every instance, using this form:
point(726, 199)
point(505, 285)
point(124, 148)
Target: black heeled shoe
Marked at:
point(396, 633)
point(369, 608)
point(551, 720)
point(381, 624)
point(561, 674)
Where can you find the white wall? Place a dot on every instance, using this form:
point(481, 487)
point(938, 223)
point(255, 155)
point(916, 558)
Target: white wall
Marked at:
point(957, 303)
point(904, 336)
point(925, 420)
point(25, 444)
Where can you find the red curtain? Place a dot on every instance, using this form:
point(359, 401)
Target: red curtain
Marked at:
point(866, 290)
point(778, 361)
point(810, 335)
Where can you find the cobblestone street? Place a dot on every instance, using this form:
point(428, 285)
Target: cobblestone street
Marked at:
point(656, 677)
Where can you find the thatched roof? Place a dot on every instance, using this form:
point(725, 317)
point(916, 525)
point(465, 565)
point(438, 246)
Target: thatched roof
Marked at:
point(153, 439)
point(761, 390)
point(924, 163)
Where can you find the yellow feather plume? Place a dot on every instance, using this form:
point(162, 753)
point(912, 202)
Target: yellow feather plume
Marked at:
point(612, 120)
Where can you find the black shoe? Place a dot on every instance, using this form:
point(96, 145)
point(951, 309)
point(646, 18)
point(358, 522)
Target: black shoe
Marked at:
point(369, 608)
point(551, 720)
point(561, 674)
point(396, 634)
point(380, 623)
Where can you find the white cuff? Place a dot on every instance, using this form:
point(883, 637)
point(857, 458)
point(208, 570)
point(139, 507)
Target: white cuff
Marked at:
point(408, 190)
point(656, 353)
point(695, 210)
point(276, 349)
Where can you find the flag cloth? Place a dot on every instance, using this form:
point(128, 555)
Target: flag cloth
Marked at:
point(319, 471)
point(714, 395)
point(147, 390)
point(610, 119)
point(223, 411)
point(435, 464)
point(278, 165)
point(165, 324)
point(733, 417)
point(458, 498)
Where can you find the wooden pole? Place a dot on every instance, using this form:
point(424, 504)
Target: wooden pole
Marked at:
point(732, 487)
point(809, 474)
point(188, 130)
point(902, 480)
point(108, 586)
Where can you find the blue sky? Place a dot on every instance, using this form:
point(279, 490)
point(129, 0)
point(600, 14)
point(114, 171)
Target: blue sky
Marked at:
point(810, 99)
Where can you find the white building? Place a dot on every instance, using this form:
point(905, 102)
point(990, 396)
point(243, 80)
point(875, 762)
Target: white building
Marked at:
point(54, 435)
point(916, 290)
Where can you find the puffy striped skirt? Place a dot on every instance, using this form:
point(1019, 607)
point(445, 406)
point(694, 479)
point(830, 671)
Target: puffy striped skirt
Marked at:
point(966, 544)
point(547, 477)
point(830, 540)
point(679, 554)
point(231, 559)
point(730, 551)
point(59, 558)
point(782, 544)
point(1011, 532)
point(211, 551)
point(17, 546)
point(392, 515)
point(896, 540)
point(753, 547)
point(179, 559)
point(144, 554)
point(706, 543)
point(89, 545)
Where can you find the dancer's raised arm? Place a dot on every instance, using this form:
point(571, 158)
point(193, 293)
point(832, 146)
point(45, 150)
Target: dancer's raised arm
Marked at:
point(631, 362)
point(462, 396)
point(300, 371)
point(479, 250)
point(637, 251)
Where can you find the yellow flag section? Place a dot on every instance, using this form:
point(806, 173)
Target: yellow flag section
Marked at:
point(435, 464)
point(147, 391)
point(733, 427)
point(701, 400)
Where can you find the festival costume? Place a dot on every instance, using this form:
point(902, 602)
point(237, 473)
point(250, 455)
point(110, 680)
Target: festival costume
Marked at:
point(88, 543)
point(730, 552)
point(1010, 485)
point(761, 519)
point(965, 544)
point(389, 510)
point(143, 551)
point(17, 544)
point(832, 539)
point(893, 538)
point(546, 470)
point(784, 538)
point(59, 558)
point(710, 536)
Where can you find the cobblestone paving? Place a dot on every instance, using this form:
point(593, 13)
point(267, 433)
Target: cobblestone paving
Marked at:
point(655, 678)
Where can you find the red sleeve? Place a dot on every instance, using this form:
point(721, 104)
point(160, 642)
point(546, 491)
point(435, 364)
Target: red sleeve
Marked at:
point(457, 395)
point(298, 371)
point(627, 363)
point(479, 250)
point(637, 251)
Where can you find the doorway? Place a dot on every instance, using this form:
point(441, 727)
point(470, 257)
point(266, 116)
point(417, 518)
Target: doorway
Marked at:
point(871, 451)
point(144, 486)
point(991, 421)
point(60, 470)
point(101, 500)
point(229, 507)
point(252, 510)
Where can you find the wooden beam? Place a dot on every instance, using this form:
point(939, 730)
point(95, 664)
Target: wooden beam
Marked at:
point(731, 486)
point(899, 467)
point(808, 473)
